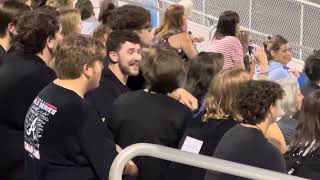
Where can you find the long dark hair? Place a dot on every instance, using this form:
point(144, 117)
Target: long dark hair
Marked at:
point(201, 71)
point(308, 128)
point(227, 24)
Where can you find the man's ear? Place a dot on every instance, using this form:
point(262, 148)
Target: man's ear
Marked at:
point(113, 56)
point(50, 43)
point(87, 71)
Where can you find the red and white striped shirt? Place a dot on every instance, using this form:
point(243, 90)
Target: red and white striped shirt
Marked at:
point(231, 49)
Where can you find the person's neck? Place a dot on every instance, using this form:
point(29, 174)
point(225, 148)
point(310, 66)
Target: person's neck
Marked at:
point(118, 73)
point(263, 127)
point(5, 43)
point(45, 55)
point(75, 85)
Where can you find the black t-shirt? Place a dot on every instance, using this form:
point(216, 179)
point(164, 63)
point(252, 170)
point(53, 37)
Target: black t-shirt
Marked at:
point(22, 77)
point(2, 54)
point(64, 138)
point(210, 133)
point(247, 146)
point(109, 89)
point(143, 117)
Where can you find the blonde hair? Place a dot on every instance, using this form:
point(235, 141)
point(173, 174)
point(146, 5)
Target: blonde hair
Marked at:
point(59, 3)
point(221, 99)
point(188, 6)
point(173, 20)
point(287, 105)
point(70, 19)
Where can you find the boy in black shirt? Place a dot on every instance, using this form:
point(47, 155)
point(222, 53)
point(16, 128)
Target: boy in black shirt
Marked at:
point(64, 138)
point(23, 75)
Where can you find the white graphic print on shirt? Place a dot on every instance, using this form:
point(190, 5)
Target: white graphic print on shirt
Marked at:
point(35, 120)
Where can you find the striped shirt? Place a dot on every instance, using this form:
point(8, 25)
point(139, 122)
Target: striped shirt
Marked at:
point(231, 49)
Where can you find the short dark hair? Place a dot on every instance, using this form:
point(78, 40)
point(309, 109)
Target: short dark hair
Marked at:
point(227, 24)
point(33, 30)
point(86, 8)
point(73, 52)
point(119, 37)
point(312, 67)
point(202, 70)
point(9, 13)
point(163, 69)
point(255, 99)
point(129, 17)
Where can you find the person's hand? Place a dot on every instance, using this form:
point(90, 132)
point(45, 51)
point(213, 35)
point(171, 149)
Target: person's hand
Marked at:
point(199, 39)
point(295, 73)
point(184, 97)
point(130, 168)
point(260, 56)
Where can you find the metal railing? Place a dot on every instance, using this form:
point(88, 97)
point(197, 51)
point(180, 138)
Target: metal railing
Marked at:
point(200, 161)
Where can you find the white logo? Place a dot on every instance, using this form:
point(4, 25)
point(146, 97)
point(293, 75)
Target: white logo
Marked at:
point(32, 128)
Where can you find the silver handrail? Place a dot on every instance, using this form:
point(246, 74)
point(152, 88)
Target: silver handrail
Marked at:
point(201, 161)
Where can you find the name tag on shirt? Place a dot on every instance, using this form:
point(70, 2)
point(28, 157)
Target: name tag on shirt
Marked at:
point(192, 145)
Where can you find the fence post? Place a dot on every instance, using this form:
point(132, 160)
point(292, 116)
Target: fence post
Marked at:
point(301, 30)
point(250, 14)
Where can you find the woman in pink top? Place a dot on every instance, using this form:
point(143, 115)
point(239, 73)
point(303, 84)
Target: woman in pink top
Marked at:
point(225, 42)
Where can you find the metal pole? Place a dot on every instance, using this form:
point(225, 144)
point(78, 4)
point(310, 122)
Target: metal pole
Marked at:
point(301, 30)
point(201, 161)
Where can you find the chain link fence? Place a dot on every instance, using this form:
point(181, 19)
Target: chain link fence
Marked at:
point(296, 20)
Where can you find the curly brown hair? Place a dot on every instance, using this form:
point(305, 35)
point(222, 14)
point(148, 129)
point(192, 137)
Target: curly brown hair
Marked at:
point(255, 99)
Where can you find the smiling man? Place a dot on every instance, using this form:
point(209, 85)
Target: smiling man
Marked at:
point(123, 52)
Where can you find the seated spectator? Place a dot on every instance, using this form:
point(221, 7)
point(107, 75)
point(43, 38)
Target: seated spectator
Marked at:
point(279, 54)
point(150, 115)
point(9, 14)
point(23, 75)
point(289, 105)
point(171, 33)
point(257, 104)
point(70, 20)
point(224, 40)
point(312, 70)
point(102, 33)
point(219, 116)
point(63, 134)
point(201, 72)
point(136, 19)
point(306, 140)
point(89, 22)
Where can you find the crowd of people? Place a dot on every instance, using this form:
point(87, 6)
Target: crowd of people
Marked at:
point(75, 90)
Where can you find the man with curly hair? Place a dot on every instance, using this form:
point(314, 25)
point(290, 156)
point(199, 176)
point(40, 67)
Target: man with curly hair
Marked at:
point(22, 76)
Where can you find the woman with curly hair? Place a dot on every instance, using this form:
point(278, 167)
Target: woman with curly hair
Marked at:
point(246, 143)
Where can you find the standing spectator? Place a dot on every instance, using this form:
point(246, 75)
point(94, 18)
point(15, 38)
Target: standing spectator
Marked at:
point(224, 41)
point(70, 20)
point(64, 138)
point(22, 77)
point(9, 14)
point(89, 22)
point(171, 33)
point(258, 106)
point(150, 115)
point(312, 70)
point(289, 105)
point(307, 137)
